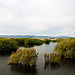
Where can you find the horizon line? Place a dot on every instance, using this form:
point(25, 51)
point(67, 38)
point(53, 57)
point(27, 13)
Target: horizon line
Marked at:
point(38, 35)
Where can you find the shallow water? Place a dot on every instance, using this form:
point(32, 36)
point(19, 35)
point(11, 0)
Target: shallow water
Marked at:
point(66, 68)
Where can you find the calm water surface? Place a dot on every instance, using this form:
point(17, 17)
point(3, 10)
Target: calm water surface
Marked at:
point(66, 68)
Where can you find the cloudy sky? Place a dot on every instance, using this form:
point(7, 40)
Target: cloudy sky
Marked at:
point(38, 17)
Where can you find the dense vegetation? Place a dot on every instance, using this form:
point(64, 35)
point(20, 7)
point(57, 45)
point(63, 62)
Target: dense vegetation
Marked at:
point(46, 41)
point(20, 41)
point(66, 48)
point(32, 42)
point(27, 42)
point(7, 45)
point(27, 56)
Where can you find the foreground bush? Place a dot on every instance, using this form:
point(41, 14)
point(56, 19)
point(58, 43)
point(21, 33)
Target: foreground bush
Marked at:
point(26, 57)
point(7, 46)
point(66, 48)
point(32, 42)
point(46, 41)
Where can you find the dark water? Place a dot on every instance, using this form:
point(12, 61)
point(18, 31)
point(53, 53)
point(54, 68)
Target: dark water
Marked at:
point(66, 68)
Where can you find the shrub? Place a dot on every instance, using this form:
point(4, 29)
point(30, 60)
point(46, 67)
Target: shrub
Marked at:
point(66, 48)
point(20, 41)
point(26, 56)
point(46, 41)
point(32, 42)
point(7, 45)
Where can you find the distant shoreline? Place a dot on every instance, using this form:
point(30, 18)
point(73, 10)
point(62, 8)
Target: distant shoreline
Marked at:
point(32, 36)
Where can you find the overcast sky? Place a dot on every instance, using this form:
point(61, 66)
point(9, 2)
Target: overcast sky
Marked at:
point(38, 17)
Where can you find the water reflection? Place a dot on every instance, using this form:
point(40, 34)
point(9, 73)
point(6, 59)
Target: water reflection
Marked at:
point(52, 67)
point(47, 58)
point(23, 69)
point(63, 65)
point(66, 66)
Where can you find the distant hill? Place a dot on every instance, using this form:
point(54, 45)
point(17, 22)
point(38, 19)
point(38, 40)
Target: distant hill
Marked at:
point(63, 37)
point(32, 36)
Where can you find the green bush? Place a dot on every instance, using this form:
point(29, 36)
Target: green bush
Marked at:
point(66, 48)
point(26, 56)
point(20, 41)
point(32, 42)
point(46, 41)
point(7, 45)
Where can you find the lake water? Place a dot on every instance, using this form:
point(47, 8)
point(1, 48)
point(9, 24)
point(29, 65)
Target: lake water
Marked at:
point(66, 68)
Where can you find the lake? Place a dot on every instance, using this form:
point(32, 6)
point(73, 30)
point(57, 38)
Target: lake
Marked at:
point(65, 68)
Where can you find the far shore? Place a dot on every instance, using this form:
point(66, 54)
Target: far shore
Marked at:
point(47, 38)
